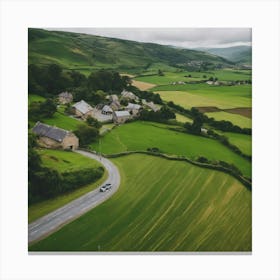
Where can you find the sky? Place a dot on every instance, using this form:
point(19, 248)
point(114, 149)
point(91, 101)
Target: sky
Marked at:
point(179, 37)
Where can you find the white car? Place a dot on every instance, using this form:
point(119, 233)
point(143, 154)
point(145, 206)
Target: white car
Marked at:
point(106, 187)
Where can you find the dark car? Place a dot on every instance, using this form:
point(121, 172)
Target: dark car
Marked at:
point(106, 187)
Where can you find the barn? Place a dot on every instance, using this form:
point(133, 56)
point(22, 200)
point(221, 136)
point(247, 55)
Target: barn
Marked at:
point(54, 137)
point(83, 109)
point(121, 116)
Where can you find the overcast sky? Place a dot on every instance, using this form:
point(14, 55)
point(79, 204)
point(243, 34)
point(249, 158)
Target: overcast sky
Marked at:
point(180, 37)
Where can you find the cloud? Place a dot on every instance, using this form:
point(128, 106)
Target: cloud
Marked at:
point(180, 37)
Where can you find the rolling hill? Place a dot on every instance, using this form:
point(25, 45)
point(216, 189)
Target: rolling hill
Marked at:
point(87, 52)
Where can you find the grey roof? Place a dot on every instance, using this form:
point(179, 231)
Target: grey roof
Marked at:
point(132, 106)
point(83, 107)
point(128, 94)
point(52, 132)
point(122, 113)
point(116, 104)
point(106, 108)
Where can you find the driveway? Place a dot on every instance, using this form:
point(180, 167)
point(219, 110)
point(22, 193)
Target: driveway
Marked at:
point(58, 218)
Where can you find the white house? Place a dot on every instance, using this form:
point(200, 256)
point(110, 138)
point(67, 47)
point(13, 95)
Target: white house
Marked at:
point(121, 116)
point(133, 108)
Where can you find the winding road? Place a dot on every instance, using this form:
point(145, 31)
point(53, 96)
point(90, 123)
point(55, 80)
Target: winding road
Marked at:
point(58, 218)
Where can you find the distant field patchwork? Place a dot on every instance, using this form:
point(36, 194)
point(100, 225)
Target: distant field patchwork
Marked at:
point(162, 205)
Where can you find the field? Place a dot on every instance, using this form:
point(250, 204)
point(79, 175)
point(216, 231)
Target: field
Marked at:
point(142, 85)
point(243, 142)
point(221, 97)
point(63, 161)
point(169, 77)
point(182, 118)
point(239, 120)
point(143, 135)
point(162, 205)
point(35, 98)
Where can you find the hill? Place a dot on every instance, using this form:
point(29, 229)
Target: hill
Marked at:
point(87, 52)
point(238, 54)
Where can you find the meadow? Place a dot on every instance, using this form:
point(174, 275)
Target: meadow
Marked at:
point(242, 141)
point(236, 119)
point(162, 205)
point(63, 161)
point(142, 135)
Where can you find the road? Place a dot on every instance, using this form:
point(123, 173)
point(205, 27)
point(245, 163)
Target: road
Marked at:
point(53, 221)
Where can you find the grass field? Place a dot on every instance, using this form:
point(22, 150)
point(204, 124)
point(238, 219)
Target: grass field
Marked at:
point(221, 97)
point(162, 205)
point(63, 161)
point(142, 85)
point(239, 120)
point(222, 75)
point(243, 142)
point(35, 98)
point(182, 118)
point(143, 135)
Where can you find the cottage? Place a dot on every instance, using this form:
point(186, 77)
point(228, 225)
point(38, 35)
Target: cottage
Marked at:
point(133, 108)
point(106, 110)
point(129, 95)
point(115, 105)
point(209, 82)
point(203, 130)
point(113, 98)
point(65, 97)
point(54, 137)
point(83, 109)
point(151, 105)
point(121, 116)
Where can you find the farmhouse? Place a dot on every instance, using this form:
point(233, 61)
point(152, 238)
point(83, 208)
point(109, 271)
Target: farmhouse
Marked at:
point(151, 105)
point(83, 110)
point(209, 82)
point(133, 108)
point(121, 116)
point(106, 110)
point(54, 137)
point(65, 97)
point(113, 98)
point(129, 95)
point(115, 105)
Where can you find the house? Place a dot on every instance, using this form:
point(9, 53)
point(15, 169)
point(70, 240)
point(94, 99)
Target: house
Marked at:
point(54, 137)
point(65, 97)
point(129, 95)
point(115, 105)
point(121, 116)
point(83, 110)
point(210, 82)
point(113, 98)
point(203, 130)
point(151, 105)
point(106, 110)
point(133, 108)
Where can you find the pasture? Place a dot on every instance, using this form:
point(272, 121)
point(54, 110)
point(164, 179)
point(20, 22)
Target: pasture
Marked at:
point(35, 98)
point(63, 161)
point(142, 135)
point(162, 205)
point(242, 141)
point(239, 120)
point(182, 118)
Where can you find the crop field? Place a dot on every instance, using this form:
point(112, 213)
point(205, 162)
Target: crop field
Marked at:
point(143, 135)
point(232, 97)
point(169, 77)
point(63, 161)
point(162, 205)
point(242, 141)
point(142, 85)
point(182, 118)
point(239, 120)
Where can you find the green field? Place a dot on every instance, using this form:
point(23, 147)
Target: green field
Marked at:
point(169, 77)
point(35, 98)
point(221, 97)
point(242, 141)
point(236, 119)
point(63, 161)
point(182, 118)
point(162, 205)
point(142, 135)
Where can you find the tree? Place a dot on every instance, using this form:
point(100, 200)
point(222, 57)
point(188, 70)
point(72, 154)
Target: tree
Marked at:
point(160, 73)
point(93, 122)
point(47, 108)
point(86, 134)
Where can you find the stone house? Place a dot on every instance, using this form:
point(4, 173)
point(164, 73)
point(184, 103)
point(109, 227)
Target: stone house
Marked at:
point(133, 108)
point(121, 116)
point(129, 95)
point(115, 105)
point(65, 97)
point(54, 137)
point(83, 109)
point(113, 98)
point(106, 110)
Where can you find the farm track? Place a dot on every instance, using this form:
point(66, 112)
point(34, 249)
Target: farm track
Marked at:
point(58, 218)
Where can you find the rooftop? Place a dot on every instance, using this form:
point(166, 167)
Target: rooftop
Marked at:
point(122, 113)
point(83, 107)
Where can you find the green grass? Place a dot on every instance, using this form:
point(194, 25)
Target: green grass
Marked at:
point(243, 142)
point(162, 205)
point(209, 96)
point(182, 118)
point(236, 119)
point(143, 135)
point(63, 161)
point(35, 98)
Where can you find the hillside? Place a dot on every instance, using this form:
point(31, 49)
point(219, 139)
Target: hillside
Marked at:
point(87, 52)
point(238, 54)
